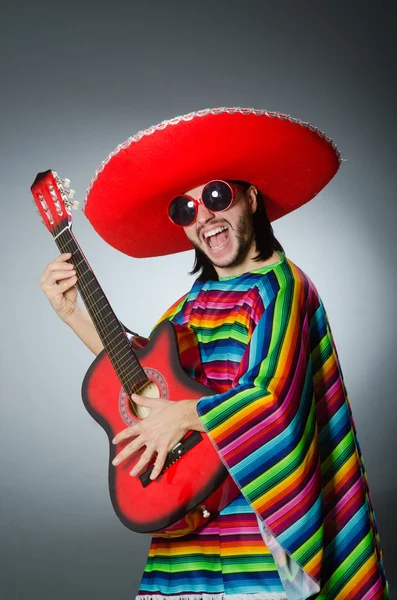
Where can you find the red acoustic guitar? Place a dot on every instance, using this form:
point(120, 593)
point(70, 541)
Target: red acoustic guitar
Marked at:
point(194, 485)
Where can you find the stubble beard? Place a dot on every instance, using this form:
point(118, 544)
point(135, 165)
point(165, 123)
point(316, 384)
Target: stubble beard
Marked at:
point(245, 237)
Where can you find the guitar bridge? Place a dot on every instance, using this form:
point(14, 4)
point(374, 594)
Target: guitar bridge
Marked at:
point(175, 454)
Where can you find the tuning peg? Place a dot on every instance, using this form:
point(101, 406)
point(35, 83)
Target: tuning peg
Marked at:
point(70, 203)
point(71, 194)
point(66, 182)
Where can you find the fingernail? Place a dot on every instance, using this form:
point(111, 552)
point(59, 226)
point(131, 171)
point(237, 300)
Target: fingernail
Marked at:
point(115, 461)
point(133, 472)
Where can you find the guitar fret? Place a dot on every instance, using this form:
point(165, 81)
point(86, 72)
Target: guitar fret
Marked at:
point(125, 353)
point(124, 348)
point(131, 386)
point(103, 308)
point(126, 372)
point(89, 296)
point(133, 372)
point(126, 367)
point(110, 332)
point(131, 379)
point(117, 344)
point(77, 251)
point(84, 286)
point(96, 302)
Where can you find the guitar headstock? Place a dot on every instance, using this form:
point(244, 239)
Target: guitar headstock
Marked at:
point(54, 201)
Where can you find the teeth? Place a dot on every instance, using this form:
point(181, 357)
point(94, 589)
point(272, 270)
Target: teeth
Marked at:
point(214, 231)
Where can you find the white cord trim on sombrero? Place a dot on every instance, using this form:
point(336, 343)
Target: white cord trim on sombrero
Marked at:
point(203, 113)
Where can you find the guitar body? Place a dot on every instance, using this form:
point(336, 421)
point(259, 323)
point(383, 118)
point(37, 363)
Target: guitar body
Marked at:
point(192, 489)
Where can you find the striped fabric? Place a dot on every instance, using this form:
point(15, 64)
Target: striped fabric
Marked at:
point(226, 559)
point(281, 420)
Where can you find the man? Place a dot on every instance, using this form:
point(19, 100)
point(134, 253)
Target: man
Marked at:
point(303, 525)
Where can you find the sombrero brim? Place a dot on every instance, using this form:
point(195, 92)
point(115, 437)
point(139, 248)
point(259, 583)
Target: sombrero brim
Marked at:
point(126, 202)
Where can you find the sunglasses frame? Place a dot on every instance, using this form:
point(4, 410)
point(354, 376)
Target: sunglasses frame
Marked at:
point(233, 188)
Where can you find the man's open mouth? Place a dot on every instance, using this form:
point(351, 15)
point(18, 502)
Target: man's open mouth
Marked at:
point(216, 238)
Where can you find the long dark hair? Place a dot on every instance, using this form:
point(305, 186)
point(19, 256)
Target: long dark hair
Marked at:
point(265, 240)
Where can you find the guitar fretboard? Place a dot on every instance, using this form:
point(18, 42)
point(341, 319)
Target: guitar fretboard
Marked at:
point(132, 376)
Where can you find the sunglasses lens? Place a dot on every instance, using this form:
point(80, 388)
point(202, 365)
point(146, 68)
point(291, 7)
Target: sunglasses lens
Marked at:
point(217, 195)
point(182, 211)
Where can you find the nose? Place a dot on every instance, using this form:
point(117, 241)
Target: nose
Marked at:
point(203, 213)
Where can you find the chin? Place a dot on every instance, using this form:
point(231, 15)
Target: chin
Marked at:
point(221, 260)
point(230, 260)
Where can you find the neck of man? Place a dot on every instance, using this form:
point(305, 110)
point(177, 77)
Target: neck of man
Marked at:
point(248, 264)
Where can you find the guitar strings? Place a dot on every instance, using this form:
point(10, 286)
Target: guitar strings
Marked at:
point(123, 367)
point(101, 319)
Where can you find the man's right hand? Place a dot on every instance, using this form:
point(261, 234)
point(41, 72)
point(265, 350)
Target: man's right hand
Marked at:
point(58, 282)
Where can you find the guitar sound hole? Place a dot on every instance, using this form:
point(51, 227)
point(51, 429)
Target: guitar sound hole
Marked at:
point(157, 388)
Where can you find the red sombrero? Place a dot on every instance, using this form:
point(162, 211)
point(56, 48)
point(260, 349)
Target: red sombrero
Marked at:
point(126, 202)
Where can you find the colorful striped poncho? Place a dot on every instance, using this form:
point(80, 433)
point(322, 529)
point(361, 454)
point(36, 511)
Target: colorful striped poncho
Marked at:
point(280, 418)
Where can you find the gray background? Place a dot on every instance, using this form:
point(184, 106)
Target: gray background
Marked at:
point(78, 79)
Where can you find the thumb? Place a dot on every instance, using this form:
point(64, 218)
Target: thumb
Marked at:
point(141, 400)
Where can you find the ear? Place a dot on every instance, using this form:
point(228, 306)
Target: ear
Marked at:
point(252, 198)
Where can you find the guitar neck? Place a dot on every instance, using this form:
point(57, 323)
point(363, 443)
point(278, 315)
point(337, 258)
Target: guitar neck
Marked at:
point(124, 360)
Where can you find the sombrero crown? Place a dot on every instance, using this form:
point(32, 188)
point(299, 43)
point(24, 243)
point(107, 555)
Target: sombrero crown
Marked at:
point(288, 160)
